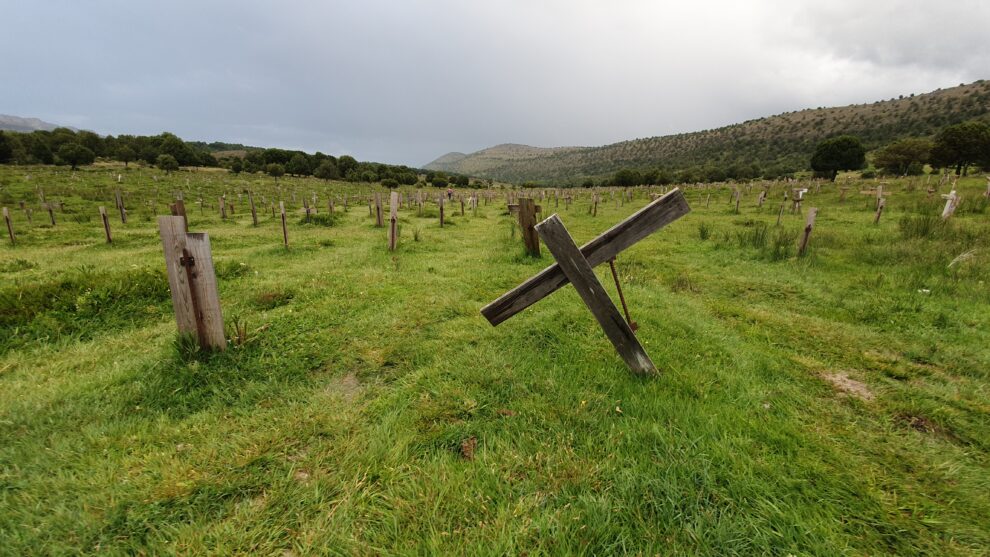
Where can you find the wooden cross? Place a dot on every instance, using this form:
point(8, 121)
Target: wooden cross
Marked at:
point(575, 265)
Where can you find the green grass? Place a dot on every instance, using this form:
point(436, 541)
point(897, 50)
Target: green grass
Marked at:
point(337, 426)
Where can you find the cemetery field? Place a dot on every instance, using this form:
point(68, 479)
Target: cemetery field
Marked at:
point(835, 403)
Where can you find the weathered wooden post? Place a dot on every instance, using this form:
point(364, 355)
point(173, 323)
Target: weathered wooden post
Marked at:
point(106, 224)
point(527, 224)
point(51, 213)
point(809, 225)
point(761, 199)
point(440, 202)
point(306, 208)
point(285, 231)
point(379, 222)
point(178, 209)
point(461, 199)
point(222, 201)
point(393, 220)
point(120, 206)
point(738, 196)
point(842, 194)
point(193, 283)
point(254, 212)
point(10, 226)
point(880, 204)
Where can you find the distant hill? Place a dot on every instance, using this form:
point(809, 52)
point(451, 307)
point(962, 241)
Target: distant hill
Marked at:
point(784, 141)
point(18, 124)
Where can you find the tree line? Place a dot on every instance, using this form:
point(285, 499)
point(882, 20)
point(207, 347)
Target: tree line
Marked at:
point(168, 152)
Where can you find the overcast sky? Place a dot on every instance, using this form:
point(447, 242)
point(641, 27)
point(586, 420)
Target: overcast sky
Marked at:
point(407, 81)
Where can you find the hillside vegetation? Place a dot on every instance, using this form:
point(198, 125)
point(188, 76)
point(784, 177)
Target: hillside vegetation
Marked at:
point(776, 145)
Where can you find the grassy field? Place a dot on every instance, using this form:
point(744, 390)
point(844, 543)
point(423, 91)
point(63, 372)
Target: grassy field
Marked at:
point(832, 404)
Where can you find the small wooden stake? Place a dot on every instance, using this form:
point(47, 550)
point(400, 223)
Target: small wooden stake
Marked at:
point(10, 226)
point(106, 224)
point(379, 222)
point(285, 232)
point(880, 204)
point(254, 212)
point(441, 210)
point(51, 213)
point(178, 209)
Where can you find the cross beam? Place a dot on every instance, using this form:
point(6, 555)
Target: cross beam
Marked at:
point(659, 213)
point(579, 272)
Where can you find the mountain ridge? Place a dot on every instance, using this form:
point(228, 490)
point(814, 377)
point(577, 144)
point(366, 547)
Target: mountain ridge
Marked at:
point(777, 144)
point(9, 122)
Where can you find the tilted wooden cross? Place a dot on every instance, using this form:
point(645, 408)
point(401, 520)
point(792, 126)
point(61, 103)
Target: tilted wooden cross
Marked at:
point(575, 265)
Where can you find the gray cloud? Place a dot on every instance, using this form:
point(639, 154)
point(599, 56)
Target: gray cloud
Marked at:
point(406, 81)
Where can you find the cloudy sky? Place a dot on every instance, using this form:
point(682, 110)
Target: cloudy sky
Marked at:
point(406, 81)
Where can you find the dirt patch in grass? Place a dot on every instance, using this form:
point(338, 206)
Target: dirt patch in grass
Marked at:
point(346, 387)
point(847, 385)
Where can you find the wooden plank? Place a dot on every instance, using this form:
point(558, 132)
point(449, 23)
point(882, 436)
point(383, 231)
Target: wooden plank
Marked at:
point(173, 235)
point(178, 209)
point(659, 213)
point(577, 269)
point(208, 316)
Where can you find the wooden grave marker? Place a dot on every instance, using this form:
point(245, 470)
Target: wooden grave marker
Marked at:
point(808, 226)
point(393, 220)
point(178, 209)
point(193, 283)
point(285, 231)
point(575, 265)
point(527, 209)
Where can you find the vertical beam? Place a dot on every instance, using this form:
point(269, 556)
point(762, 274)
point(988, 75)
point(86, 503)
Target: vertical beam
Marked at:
point(254, 212)
point(285, 232)
point(393, 220)
point(178, 209)
point(208, 316)
point(577, 269)
point(527, 223)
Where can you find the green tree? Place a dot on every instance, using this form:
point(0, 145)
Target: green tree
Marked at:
point(275, 170)
point(75, 154)
point(299, 165)
point(962, 145)
point(845, 152)
point(125, 155)
point(346, 163)
point(236, 165)
point(166, 162)
point(390, 183)
point(626, 178)
point(327, 171)
point(903, 156)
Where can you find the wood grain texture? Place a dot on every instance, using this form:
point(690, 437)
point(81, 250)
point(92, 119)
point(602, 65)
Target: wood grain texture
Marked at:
point(208, 312)
point(659, 213)
point(579, 272)
point(173, 234)
point(527, 223)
